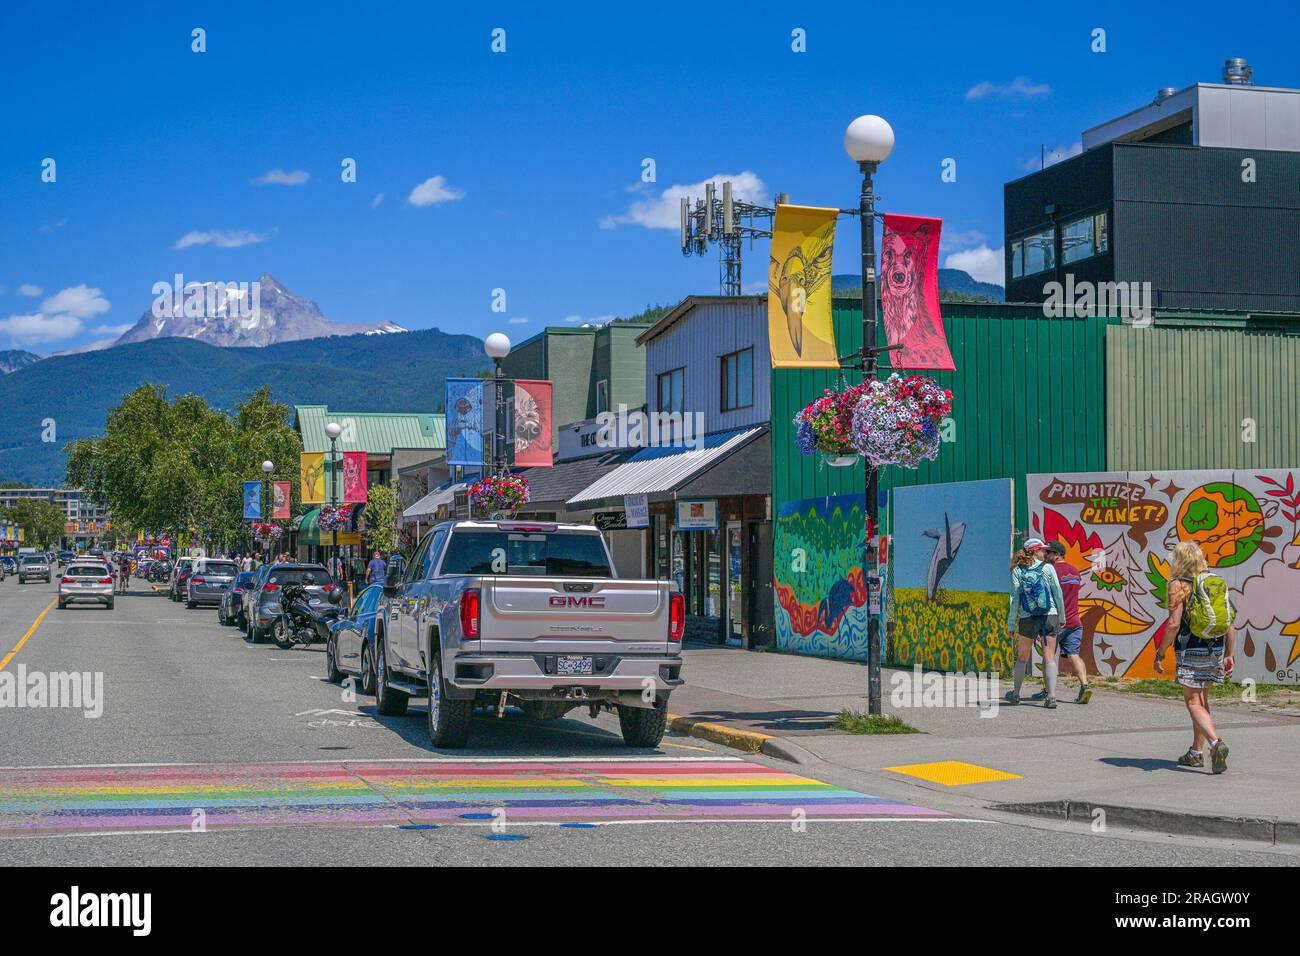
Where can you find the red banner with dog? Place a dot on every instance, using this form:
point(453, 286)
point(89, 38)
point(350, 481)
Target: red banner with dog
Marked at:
point(909, 293)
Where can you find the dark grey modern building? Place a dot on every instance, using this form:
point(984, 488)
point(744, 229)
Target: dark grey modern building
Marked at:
point(1196, 193)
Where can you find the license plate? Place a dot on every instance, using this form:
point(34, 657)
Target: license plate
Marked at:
point(573, 666)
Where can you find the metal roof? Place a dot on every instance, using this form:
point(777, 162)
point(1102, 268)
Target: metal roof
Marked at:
point(375, 433)
point(434, 500)
point(663, 469)
point(566, 478)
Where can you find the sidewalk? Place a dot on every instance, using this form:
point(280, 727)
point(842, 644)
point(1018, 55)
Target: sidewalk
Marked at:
point(1118, 752)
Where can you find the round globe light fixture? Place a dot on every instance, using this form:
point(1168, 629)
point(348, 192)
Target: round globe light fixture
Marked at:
point(869, 139)
point(268, 466)
point(497, 345)
point(333, 430)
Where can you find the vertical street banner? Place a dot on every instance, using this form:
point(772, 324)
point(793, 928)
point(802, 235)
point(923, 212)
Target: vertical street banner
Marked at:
point(354, 477)
point(909, 293)
point(800, 329)
point(253, 500)
point(311, 474)
point(532, 407)
point(282, 498)
point(465, 421)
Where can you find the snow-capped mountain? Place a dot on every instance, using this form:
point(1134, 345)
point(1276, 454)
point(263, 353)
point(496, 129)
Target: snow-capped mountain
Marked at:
point(14, 359)
point(244, 314)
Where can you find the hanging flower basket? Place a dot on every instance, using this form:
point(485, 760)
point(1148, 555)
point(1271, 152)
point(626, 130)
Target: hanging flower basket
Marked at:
point(890, 422)
point(266, 533)
point(497, 494)
point(335, 519)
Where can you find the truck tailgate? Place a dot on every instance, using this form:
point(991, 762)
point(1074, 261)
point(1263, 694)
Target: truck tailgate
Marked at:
point(586, 615)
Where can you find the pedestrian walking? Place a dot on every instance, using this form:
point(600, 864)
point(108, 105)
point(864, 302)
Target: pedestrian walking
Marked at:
point(1070, 640)
point(1201, 620)
point(336, 567)
point(1034, 615)
point(247, 564)
point(376, 570)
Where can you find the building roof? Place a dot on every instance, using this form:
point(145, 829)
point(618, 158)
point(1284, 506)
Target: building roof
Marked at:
point(376, 433)
point(663, 470)
point(688, 303)
point(430, 503)
point(578, 330)
point(565, 479)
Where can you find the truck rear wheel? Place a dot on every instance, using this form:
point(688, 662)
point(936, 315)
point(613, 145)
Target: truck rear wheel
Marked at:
point(448, 719)
point(642, 726)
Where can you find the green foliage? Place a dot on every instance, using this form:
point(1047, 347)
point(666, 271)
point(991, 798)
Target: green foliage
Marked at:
point(41, 521)
point(856, 722)
point(381, 518)
point(180, 465)
point(651, 313)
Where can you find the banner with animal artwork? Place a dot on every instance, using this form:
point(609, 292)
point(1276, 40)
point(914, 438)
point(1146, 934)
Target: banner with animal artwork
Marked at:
point(800, 329)
point(465, 421)
point(532, 407)
point(252, 501)
point(951, 559)
point(281, 499)
point(1118, 529)
point(354, 477)
point(909, 293)
point(311, 476)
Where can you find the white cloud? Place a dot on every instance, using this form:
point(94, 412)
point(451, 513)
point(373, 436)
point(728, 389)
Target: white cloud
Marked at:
point(519, 320)
point(374, 203)
point(229, 239)
point(950, 239)
point(1021, 88)
point(79, 301)
point(663, 211)
point(433, 191)
point(37, 328)
point(114, 330)
point(983, 263)
point(30, 290)
point(573, 319)
point(1051, 156)
point(278, 177)
point(52, 226)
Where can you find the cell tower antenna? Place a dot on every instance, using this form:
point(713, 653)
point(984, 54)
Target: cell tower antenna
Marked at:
point(728, 222)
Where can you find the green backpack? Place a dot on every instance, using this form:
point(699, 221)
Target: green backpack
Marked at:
point(1210, 610)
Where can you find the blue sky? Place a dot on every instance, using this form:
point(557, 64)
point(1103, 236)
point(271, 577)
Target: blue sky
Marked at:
point(531, 159)
point(984, 556)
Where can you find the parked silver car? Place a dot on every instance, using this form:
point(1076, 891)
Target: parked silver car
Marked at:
point(86, 581)
point(209, 580)
point(33, 566)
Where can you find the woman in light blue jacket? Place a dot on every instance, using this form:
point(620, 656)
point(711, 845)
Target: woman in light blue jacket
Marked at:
point(1035, 613)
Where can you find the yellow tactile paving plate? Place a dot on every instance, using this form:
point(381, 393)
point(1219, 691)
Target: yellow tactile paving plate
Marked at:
point(954, 773)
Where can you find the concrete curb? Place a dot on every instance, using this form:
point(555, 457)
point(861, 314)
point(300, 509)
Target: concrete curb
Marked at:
point(746, 740)
point(1224, 826)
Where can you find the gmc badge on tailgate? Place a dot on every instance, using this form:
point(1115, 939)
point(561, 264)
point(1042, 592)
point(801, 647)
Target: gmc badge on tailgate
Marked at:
point(570, 600)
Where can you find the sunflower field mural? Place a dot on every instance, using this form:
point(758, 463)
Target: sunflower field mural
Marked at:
point(1118, 529)
point(950, 559)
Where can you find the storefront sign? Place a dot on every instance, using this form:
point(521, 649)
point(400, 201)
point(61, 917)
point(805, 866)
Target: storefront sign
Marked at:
point(637, 508)
point(697, 514)
point(610, 520)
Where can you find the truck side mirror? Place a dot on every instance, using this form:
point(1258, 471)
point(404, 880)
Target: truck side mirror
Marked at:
point(393, 578)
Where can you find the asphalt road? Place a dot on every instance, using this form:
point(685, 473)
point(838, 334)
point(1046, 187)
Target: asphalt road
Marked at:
point(211, 751)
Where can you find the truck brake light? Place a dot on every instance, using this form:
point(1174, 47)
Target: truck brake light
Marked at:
point(676, 616)
point(469, 611)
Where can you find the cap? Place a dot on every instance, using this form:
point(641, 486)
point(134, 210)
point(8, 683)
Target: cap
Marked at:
point(1033, 544)
point(1056, 547)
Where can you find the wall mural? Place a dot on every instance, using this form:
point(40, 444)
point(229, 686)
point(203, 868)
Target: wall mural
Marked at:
point(950, 556)
point(818, 583)
point(1118, 529)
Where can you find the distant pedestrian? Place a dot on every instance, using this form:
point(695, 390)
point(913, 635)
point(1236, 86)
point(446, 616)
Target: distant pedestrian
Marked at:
point(247, 563)
point(1070, 639)
point(336, 567)
point(1200, 618)
point(376, 570)
point(1034, 615)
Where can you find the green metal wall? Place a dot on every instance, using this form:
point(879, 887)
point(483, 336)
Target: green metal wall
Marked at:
point(1180, 397)
point(1029, 395)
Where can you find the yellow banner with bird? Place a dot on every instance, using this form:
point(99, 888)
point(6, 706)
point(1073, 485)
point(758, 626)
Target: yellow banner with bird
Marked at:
point(311, 471)
point(799, 325)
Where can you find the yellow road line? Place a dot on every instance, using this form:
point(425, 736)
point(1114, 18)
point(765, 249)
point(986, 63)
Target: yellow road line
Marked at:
point(30, 631)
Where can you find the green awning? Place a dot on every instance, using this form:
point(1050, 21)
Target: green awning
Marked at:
point(308, 527)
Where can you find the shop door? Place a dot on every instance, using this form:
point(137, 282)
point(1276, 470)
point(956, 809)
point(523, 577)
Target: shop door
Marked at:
point(733, 626)
point(761, 614)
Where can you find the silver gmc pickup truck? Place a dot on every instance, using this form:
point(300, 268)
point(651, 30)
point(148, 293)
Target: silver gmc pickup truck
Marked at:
point(528, 613)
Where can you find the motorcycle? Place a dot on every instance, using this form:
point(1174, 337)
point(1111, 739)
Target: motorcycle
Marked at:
point(301, 623)
point(159, 572)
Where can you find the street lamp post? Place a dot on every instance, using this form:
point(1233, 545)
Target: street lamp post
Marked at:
point(268, 466)
point(869, 141)
point(333, 430)
point(497, 347)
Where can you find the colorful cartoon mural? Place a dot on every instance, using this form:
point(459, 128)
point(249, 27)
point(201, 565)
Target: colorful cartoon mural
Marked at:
point(951, 555)
point(818, 580)
point(1118, 529)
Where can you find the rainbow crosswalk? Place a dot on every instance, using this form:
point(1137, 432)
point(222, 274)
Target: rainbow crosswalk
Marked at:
point(46, 801)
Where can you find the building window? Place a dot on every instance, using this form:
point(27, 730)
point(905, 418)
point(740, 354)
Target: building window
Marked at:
point(1084, 238)
point(738, 380)
point(1033, 254)
point(672, 391)
point(602, 396)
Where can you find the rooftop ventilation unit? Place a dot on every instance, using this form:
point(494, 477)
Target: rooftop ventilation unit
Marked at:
point(1237, 71)
point(1164, 93)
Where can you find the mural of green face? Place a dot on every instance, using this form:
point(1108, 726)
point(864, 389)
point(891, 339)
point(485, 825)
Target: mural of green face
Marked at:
point(1225, 520)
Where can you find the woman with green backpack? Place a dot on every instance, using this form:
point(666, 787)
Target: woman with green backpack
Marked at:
point(1200, 615)
point(1035, 614)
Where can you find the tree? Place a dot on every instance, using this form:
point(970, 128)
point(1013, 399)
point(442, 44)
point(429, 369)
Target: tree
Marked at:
point(42, 522)
point(381, 518)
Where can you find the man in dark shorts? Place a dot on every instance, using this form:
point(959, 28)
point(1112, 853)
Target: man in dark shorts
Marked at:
point(1070, 639)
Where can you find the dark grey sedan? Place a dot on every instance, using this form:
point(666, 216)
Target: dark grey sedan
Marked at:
point(351, 648)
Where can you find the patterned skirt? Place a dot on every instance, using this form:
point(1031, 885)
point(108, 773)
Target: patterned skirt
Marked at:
point(1199, 667)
